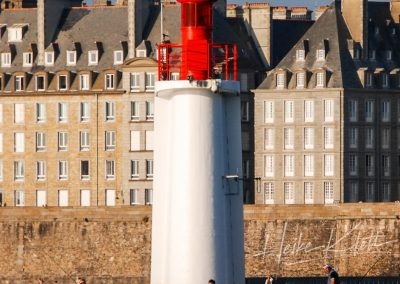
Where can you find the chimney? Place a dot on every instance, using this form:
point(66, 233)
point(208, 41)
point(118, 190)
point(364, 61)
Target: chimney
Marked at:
point(355, 13)
point(131, 28)
point(395, 10)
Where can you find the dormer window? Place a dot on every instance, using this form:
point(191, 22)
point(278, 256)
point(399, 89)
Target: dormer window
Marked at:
point(40, 81)
point(118, 57)
point(300, 54)
point(389, 55)
point(140, 53)
point(93, 57)
point(84, 82)
point(71, 58)
point(280, 80)
point(62, 82)
point(320, 54)
point(109, 81)
point(49, 58)
point(320, 79)
point(16, 32)
point(19, 83)
point(372, 54)
point(27, 59)
point(6, 59)
point(300, 80)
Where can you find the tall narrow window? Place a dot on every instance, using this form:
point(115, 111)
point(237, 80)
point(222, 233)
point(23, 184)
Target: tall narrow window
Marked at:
point(6, 59)
point(289, 192)
point(19, 198)
point(110, 111)
point(149, 168)
point(71, 57)
point(369, 138)
point(329, 165)
point(370, 192)
point(268, 193)
point(149, 110)
point(353, 137)
point(49, 58)
point(19, 83)
point(40, 112)
point(109, 81)
point(353, 110)
point(268, 138)
point(386, 165)
point(134, 196)
point(289, 165)
point(110, 169)
point(308, 111)
point(328, 192)
point(269, 111)
point(62, 82)
point(386, 192)
point(27, 59)
point(135, 82)
point(369, 111)
point(320, 79)
point(148, 196)
point(288, 138)
point(84, 141)
point(329, 110)
point(244, 110)
point(85, 170)
point(385, 138)
point(328, 137)
point(308, 165)
point(308, 193)
point(289, 111)
point(353, 165)
point(40, 81)
point(62, 112)
point(134, 169)
point(280, 80)
point(40, 141)
point(135, 141)
point(149, 81)
point(19, 170)
point(19, 142)
point(118, 57)
point(385, 111)
point(84, 82)
point(41, 170)
point(111, 138)
point(62, 141)
point(300, 80)
point(149, 146)
point(84, 112)
point(19, 113)
point(268, 165)
point(370, 165)
point(135, 115)
point(308, 138)
point(353, 192)
point(93, 57)
point(63, 170)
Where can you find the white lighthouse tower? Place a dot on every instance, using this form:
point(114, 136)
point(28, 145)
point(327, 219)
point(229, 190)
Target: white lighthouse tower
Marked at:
point(197, 231)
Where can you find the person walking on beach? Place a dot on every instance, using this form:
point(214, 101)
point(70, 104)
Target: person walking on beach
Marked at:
point(333, 276)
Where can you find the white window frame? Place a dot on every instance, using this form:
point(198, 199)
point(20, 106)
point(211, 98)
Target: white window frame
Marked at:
point(269, 136)
point(41, 197)
point(149, 110)
point(288, 137)
point(309, 111)
point(62, 112)
point(19, 170)
point(308, 192)
point(289, 192)
point(150, 78)
point(149, 169)
point(329, 137)
point(84, 111)
point(289, 165)
point(19, 198)
point(300, 54)
point(85, 169)
point(19, 142)
point(62, 170)
point(109, 81)
point(62, 82)
point(84, 82)
point(40, 141)
point(27, 59)
point(320, 79)
point(269, 193)
point(110, 111)
point(135, 110)
point(63, 197)
point(110, 140)
point(289, 111)
point(40, 112)
point(71, 57)
point(134, 196)
point(300, 80)
point(269, 111)
point(134, 81)
point(40, 82)
point(110, 169)
point(19, 83)
point(320, 54)
point(148, 196)
point(118, 57)
point(280, 80)
point(41, 170)
point(329, 192)
point(49, 58)
point(269, 165)
point(329, 165)
point(6, 59)
point(62, 141)
point(84, 140)
point(134, 169)
point(93, 57)
point(308, 138)
point(19, 113)
point(149, 142)
point(308, 165)
point(329, 112)
point(135, 140)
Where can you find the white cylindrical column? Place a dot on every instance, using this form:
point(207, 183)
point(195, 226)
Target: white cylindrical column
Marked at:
point(197, 210)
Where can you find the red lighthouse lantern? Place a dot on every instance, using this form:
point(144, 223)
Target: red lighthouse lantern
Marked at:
point(196, 32)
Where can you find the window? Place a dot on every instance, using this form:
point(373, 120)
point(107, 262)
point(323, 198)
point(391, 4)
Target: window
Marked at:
point(246, 169)
point(148, 196)
point(149, 110)
point(308, 111)
point(385, 80)
point(268, 193)
point(370, 192)
point(289, 192)
point(15, 32)
point(40, 141)
point(174, 76)
point(63, 197)
point(134, 169)
point(329, 110)
point(110, 169)
point(40, 82)
point(84, 82)
point(93, 57)
point(320, 54)
point(369, 111)
point(369, 79)
point(134, 196)
point(353, 165)
point(84, 141)
point(280, 80)
point(353, 137)
point(329, 165)
point(62, 141)
point(288, 138)
point(135, 82)
point(245, 141)
point(269, 111)
point(85, 170)
point(308, 193)
point(268, 165)
point(84, 112)
point(6, 59)
point(118, 57)
point(328, 137)
point(385, 138)
point(389, 55)
point(19, 170)
point(19, 113)
point(27, 59)
point(353, 192)
point(62, 82)
point(244, 110)
point(19, 83)
point(135, 141)
point(386, 192)
point(110, 197)
point(40, 112)
point(85, 197)
point(308, 138)
point(149, 81)
point(308, 165)
point(353, 110)
point(135, 111)
point(370, 165)
point(149, 168)
point(19, 142)
point(49, 58)
point(41, 170)
point(289, 111)
point(320, 79)
point(62, 170)
point(385, 111)
point(369, 138)
point(109, 81)
point(372, 54)
point(289, 165)
point(300, 54)
point(328, 192)
point(110, 140)
point(268, 138)
point(386, 165)
point(71, 58)
point(110, 111)
point(149, 140)
point(300, 80)
point(19, 196)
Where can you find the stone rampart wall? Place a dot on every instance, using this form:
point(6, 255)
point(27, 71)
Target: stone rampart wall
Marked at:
point(112, 245)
